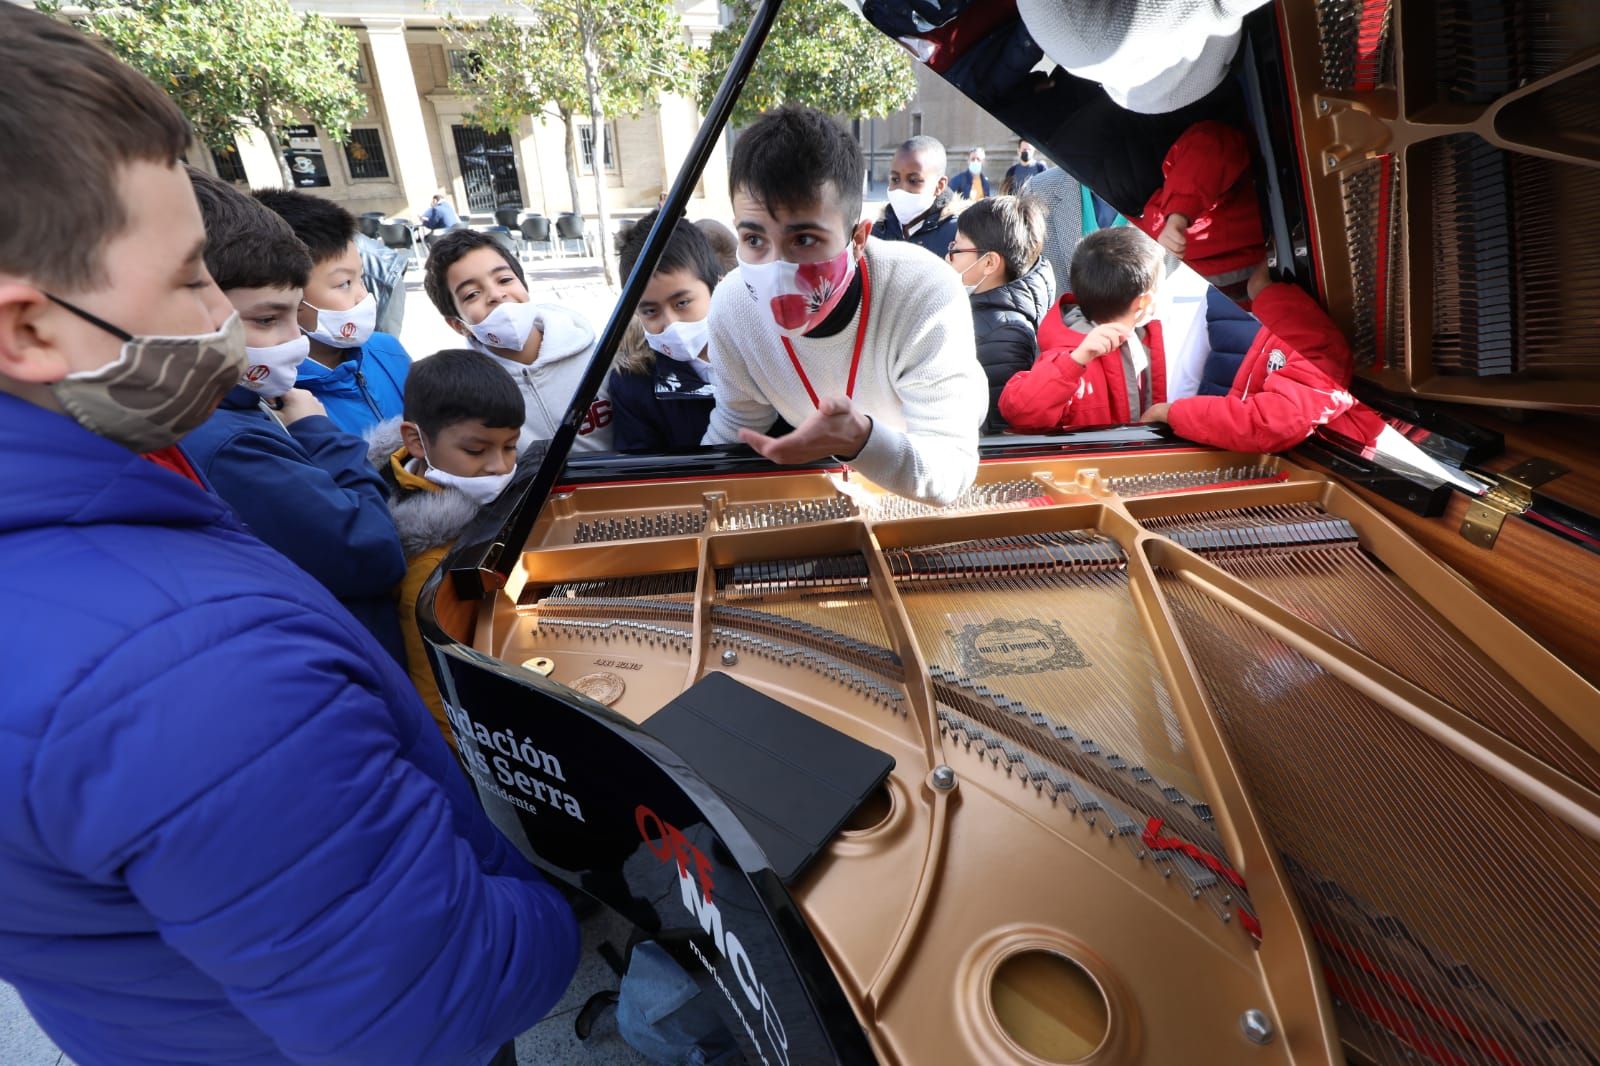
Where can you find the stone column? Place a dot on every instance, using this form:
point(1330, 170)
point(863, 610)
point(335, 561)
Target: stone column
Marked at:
point(259, 159)
point(391, 65)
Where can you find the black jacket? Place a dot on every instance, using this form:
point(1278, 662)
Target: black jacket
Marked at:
point(1005, 322)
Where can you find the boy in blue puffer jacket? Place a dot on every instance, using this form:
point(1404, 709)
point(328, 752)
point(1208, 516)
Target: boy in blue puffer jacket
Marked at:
point(300, 483)
point(357, 373)
point(229, 831)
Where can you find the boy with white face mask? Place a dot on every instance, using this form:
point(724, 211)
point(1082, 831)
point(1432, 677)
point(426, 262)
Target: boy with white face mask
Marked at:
point(357, 372)
point(864, 346)
point(450, 455)
point(919, 198)
point(228, 829)
point(662, 388)
point(300, 482)
point(480, 290)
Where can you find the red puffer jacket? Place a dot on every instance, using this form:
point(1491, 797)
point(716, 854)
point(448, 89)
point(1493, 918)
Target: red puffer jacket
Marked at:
point(1058, 393)
point(1293, 379)
point(1207, 180)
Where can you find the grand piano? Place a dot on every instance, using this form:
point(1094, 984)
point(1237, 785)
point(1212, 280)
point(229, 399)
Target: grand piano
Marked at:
point(1140, 752)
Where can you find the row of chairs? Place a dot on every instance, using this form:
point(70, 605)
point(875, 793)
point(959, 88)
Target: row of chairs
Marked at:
point(521, 235)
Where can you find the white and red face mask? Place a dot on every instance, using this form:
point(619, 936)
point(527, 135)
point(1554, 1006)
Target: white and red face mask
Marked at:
point(799, 295)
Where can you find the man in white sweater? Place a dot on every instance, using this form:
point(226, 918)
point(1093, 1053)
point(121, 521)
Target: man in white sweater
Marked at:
point(482, 293)
point(864, 346)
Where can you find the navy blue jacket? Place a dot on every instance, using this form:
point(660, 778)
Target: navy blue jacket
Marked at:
point(309, 492)
point(1232, 332)
point(644, 423)
point(367, 388)
point(229, 830)
point(936, 239)
point(961, 184)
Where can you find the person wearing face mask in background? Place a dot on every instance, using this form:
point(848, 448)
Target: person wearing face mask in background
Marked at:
point(996, 254)
point(300, 482)
point(451, 453)
point(970, 184)
point(661, 389)
point(480, 290)
point(229, 831)
point(864, 346)
point(919, 198)
point(1022, 171)
point(358, 373)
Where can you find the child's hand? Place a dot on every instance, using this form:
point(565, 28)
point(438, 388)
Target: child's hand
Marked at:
point(1155, 413)
point(1174, 236)
point(1102, 340)
point(297, 404)
point(1259, 280)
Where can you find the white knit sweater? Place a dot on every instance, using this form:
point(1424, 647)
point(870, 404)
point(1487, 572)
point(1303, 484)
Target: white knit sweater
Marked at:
point(919, 379)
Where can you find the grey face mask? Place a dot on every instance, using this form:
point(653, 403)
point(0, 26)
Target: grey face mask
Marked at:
point(158, 389)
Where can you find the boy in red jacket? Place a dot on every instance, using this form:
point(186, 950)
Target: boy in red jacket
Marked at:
point(1102, 358)
point(1206, 212)
point(1292, 379)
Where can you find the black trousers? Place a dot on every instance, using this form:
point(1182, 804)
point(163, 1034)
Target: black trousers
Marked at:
point(506, 1056)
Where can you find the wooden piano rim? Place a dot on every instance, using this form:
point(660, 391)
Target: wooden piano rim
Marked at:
point(1286, 960)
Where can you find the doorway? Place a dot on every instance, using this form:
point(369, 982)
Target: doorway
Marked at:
point(488, 169)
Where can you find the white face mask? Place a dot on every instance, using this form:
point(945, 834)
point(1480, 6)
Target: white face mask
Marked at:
point(973, 288)
point(481, 490)
point(345, 329)
point(975, 166)
point(908, 206)
point(683, 341)
point(507, 327)
point(271, 371)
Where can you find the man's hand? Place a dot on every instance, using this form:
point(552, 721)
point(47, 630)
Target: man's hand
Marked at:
point(834, 429)
point(1102, 340)
point(297, 404)
point(1174, 235)
point(1259, 280)
point(1156, 412)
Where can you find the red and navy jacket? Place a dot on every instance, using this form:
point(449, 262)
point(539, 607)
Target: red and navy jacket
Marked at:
point(1058, 392)
point(1293, 378)
point(1207, 180)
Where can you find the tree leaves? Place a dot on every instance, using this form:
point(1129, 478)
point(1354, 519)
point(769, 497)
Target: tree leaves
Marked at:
point(821, 53)
point(234, 64)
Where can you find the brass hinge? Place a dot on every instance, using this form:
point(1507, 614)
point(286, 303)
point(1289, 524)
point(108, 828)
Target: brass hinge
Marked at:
point(1510, 494)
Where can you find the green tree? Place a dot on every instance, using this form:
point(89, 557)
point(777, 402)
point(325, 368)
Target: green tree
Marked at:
point(820, 53)
point(571, 58)
point(233, 64)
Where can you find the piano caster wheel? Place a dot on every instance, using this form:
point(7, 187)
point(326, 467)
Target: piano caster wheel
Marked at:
point(1257, 1026)
point(730, 658)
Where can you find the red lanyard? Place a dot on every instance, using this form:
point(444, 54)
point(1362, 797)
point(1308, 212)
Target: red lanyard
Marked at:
point(855, 358)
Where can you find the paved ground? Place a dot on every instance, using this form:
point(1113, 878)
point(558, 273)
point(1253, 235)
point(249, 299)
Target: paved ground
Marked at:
point(550, 1043)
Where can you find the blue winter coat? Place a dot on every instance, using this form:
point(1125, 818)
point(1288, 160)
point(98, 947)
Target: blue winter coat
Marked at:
point(365, 389)
point(308, 491)
point(229, 831)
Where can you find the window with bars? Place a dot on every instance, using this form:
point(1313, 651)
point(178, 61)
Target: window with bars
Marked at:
point(916, 123)
point(364, 152)
point(586, 149)
point(464, 64)
point(229, 166)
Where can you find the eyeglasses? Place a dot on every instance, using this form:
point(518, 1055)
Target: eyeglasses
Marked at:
point(952, 251)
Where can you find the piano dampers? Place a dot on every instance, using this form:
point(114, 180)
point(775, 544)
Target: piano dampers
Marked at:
point(1484, 49)
point(1456, 921)
point(1357, 48)
point(1371, 196)
point(1474, 310)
